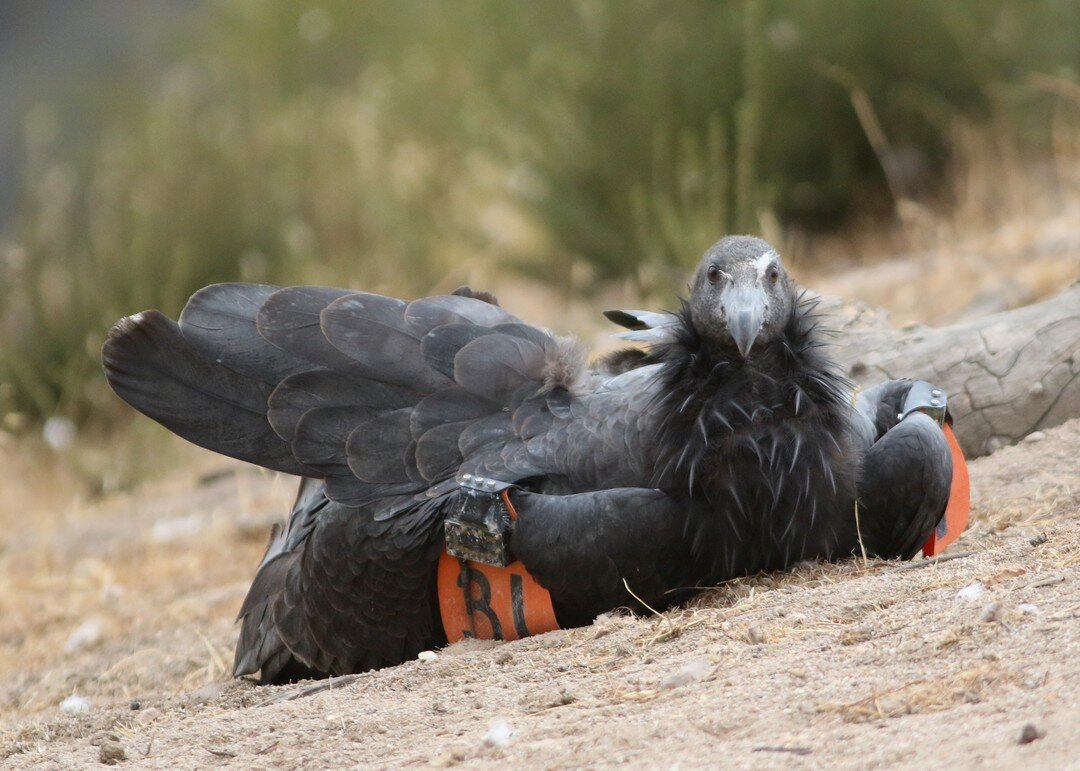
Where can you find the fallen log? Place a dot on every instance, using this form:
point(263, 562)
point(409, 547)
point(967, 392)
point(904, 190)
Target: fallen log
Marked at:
point(1007, 375)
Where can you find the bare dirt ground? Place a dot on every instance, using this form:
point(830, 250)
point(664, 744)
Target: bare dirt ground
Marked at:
point(128, 604)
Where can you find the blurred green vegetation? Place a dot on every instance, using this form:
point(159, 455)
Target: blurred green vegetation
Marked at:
point(407, 145)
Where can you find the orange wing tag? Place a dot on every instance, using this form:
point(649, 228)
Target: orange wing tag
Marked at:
point(486, 602)
point(491, 603)
point(954, 521)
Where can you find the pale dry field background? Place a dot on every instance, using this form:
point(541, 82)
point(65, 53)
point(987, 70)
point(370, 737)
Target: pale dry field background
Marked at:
point(126, 599)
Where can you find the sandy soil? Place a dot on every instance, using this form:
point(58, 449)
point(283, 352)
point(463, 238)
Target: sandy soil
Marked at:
point(128, 604)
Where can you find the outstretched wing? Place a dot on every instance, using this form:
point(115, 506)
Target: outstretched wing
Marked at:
point(385, 400)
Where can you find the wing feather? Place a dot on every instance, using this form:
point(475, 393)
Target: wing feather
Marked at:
point(219, 322)
point(372, 330)
point(152, 367)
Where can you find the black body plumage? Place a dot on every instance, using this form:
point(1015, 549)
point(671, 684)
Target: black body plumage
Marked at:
point(728, 446)
point(763, 441)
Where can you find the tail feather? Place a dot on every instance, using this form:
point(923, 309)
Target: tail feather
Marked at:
point(260, 647)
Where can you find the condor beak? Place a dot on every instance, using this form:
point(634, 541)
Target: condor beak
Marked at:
point(744, 309)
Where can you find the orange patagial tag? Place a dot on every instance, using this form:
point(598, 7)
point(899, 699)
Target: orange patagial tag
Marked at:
point(491, 603)
point(955, 519)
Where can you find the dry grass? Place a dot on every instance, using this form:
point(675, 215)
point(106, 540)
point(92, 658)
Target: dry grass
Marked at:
point(920, 696)
point(1006, 234)
point(137, 579)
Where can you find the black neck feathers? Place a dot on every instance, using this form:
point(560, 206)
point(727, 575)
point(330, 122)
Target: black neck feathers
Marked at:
point(760, 445)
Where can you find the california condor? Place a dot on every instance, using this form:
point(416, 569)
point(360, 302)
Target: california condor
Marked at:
point(729, 445)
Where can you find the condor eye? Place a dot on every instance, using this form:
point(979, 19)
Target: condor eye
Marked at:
point(713, 273)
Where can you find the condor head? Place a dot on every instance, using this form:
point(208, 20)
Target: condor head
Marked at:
point(741, 295)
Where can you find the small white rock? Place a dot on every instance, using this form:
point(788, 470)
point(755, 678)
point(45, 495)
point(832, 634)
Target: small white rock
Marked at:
point(75, 704)
point(498, 733)
point(1027, 609)
point(971, 592)
point(208, 692)
point(427, 655)
point(1034, 436)
point(991, 612)
point(87, 635)
point(696, 670)
point(148, 715)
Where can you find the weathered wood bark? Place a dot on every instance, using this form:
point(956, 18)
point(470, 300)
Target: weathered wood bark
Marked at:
point(1007, 374)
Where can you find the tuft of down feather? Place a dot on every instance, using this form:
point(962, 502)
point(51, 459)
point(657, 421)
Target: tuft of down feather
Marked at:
point(564, 365)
